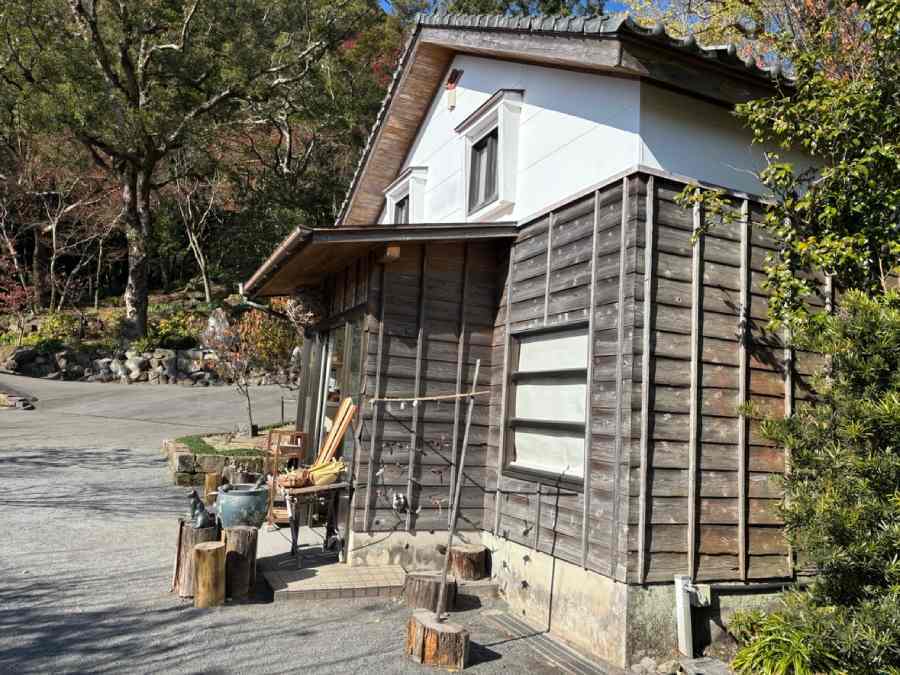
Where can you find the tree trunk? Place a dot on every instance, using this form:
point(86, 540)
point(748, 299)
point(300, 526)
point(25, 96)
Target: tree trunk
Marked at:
point(97, 276)
point(39, 271)
point(469, 561)
point(209, 587)
point(240, 561)
point(421, 591)
point(435, 643)
point(184, 565)
point(138, 219)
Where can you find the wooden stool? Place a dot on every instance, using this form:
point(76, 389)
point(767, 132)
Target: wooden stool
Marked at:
point(209, 565)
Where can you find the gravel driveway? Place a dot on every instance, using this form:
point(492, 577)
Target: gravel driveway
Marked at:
point(87, 543)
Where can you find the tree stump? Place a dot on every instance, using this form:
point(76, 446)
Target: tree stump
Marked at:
point(433, 643)
point(240, 561)
point(209, 562)
point(421, 591)
point(211, 484)
point(184, 563)
point(469, 561)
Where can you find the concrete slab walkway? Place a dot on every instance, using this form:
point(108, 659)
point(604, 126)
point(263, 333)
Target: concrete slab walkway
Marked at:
point(86, 555)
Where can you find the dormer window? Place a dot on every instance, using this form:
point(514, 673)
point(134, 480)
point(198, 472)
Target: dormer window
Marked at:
point(492, 150)
point(406, 197)
point(483, 171)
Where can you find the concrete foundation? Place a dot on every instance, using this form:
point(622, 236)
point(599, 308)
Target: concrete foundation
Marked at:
point(582, 608)
point(411, 550)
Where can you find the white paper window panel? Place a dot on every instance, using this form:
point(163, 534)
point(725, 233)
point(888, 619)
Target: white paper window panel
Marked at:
point(551, 401)
point(556, 452)
point(553, 351)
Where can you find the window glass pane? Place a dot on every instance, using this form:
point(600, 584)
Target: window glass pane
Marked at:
point(474, 175)
point(490, 181)
point(553, 351)
point(551, 401)
point(401, 211)
point(556, 452)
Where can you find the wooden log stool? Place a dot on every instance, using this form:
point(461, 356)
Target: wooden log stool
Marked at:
point(469, 561)
point(436, 643)
point(188, 538)
point(422, 588)
point(240, 561)
point(209, 565)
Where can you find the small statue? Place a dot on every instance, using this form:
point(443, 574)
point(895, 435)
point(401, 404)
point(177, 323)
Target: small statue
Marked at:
point(200, 517)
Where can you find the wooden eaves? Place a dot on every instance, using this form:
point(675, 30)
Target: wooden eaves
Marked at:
point(308, 254)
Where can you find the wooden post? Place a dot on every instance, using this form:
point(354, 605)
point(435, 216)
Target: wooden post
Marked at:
point(370, 479)
point(588, 415)
point(211, 483)
point(646, 380)
point(696, 391)
point(620, 385)
point(209, 562)
point(184, 567)
point(416, 412)
point(460, 351)
point(504, 396)
point(433, 643)
point(460, 479)
point(421, 591)
point(469, 561)
point(240, 561)
point(743, 389)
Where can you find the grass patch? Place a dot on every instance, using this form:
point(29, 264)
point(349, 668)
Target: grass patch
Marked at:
point(198, 446)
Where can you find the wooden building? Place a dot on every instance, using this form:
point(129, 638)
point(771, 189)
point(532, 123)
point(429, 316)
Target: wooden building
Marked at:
point(516, 205)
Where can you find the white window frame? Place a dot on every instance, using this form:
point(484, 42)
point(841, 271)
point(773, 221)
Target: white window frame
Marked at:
point(502, 112)
point(411, 182)
point(565, 376)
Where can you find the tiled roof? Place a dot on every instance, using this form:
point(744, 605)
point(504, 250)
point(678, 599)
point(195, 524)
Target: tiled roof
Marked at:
point(609, 24)
point(601, 26)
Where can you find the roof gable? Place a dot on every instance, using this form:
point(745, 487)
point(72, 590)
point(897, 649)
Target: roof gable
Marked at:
point(613, 44)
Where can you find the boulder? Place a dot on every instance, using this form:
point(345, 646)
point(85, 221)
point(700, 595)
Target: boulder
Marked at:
point(136, 365)
point(217, 329)
point(21, 357)
point(117, 367)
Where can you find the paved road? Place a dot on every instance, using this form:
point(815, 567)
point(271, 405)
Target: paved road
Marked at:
point(86, 550)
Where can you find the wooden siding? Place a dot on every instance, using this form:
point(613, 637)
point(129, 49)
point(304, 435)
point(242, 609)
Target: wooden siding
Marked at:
point(706, 502)
point(430, 318)
point(547, 282)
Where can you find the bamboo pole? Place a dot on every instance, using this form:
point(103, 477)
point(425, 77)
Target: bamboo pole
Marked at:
point(460, 478)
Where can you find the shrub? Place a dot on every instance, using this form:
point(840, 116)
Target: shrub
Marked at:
point(842, 502)
point(177, 331)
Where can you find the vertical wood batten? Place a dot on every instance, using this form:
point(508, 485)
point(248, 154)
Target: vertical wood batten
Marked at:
point(460, 351)
point(550, 223)
point(696, 393)
point(743, 389)
point(416, 411)
point(588, 420)
point(788, 411)
point(620, 355)
point(373, 436)
point(537, 518)
point(646, 384)
point(504, 395)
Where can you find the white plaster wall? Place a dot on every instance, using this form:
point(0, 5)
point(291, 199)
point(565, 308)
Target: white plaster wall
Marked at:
point(696, 139)
point(575, 130)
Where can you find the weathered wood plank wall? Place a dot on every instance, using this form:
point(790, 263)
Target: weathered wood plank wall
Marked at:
point(681, 480)
point(705, 499)
point(424, 340)
point(556, 289)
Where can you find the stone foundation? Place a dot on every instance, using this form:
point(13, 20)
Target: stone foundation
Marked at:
point(411, 550)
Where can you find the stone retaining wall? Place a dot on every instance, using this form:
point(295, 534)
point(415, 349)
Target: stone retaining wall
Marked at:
point(188, 469)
